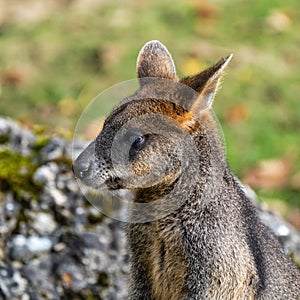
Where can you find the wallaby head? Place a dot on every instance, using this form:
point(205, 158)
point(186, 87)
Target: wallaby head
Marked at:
point(152, 137)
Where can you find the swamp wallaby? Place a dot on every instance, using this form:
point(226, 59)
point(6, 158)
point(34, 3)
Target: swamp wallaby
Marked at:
point(203, 240)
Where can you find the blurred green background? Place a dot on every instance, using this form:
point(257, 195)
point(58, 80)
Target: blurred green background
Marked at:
point(56, 56)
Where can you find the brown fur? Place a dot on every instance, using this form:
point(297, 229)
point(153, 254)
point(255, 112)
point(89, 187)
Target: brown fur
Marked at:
point(211, 244)
point(166, 264)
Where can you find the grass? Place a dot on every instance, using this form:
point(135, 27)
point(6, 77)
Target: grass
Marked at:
point(52, 69)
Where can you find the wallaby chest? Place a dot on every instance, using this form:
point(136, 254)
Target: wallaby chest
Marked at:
point(163, 258)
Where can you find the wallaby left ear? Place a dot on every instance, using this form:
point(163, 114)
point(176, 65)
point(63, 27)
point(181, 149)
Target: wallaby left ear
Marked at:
point(154, 60)
point(206, 84)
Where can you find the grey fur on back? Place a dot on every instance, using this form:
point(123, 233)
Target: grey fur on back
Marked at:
point(213, 246)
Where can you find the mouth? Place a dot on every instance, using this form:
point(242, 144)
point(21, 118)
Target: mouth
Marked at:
point(90, 183)
point(113, 183)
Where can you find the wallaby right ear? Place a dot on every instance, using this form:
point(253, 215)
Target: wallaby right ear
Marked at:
point(206, 84)
point(154, 60)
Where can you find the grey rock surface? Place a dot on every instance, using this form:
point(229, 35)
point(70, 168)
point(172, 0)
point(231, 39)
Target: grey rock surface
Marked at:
point(54, 244)
point(17, 138)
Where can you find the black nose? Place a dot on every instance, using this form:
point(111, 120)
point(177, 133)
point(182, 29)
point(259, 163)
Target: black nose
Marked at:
point(82, 168)
point(83, 165)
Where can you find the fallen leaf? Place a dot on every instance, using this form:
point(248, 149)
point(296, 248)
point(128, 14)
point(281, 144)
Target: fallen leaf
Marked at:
point(269, 174)
point(13, 77)
point(205, 10)
point(293, 217)
point(1, 254)
point(237, 113)
point(295, 181)
point(66, 278)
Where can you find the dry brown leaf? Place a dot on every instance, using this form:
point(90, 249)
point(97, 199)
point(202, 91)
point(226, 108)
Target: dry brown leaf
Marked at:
point(295, 181)
point(205, 9)
point(1, 253)
point(208, 12)
point(13, 77)
point(269, 174)
point(67, 278)
point(237, 113)
point(293, 217)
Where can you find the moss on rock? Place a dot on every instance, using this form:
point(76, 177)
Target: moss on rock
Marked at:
point(16, 174)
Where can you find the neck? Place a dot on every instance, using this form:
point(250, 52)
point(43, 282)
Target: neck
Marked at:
point(155, 192)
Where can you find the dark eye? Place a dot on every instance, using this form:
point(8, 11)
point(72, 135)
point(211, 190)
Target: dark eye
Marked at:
point(134, 138)
point(138, 140)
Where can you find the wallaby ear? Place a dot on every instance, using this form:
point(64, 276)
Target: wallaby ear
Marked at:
point(206, 84)
point(154, 60)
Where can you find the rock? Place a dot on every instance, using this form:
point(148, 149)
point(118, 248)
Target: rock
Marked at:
point(15, 137)
point(59, 198)
point(44, 223)
point(72, 274)
point(19, 250)
point(286, 234)
point(54, 149)
point(9, 211)
point(288, 237)
point(12, 284)
point(46, 174)
point(38, 273)
point(23, 248)
point(37, 244)
point(66, 182)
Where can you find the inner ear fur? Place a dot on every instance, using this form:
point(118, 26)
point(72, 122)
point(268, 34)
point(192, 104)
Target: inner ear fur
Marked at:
point(206, 84)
